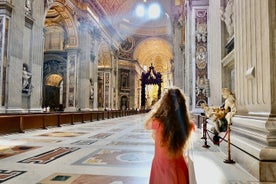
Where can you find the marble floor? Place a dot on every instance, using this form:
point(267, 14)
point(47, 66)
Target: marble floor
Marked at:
point(112, 151)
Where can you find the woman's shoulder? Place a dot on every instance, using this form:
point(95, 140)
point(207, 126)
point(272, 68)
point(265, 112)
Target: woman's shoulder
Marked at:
point(156, 123)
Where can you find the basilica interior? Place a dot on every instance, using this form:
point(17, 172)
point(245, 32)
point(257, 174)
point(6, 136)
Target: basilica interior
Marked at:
point(67, 56)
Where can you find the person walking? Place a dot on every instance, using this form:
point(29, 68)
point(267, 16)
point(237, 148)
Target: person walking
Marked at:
point(171, 126)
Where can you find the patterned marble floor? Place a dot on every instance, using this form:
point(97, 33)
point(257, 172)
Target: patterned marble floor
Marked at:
point(113, 151)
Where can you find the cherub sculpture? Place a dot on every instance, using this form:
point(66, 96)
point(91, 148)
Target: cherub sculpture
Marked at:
point(221, 116)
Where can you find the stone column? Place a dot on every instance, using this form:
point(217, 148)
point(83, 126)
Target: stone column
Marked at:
point(214, 54)
point(254, 126)
point(14, 59)
point(85, 60)
point(37, 56)
point(96, 38)
point(178, 55)
point(4, 23)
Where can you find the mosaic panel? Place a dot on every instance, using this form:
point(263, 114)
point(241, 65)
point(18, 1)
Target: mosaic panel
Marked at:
point(65, 178)
point(7, 175)
point(137, 136)
point(40, 140)
point(7, 151)
point(117, 157)
point(132, 143)
point(101, 136)
point(201, 58)
point(116, 130)
point(84, 142)
point(243, 182)
point(63, 134)
point(49, 156)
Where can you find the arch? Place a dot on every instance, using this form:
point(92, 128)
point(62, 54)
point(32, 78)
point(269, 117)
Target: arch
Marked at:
point(124, 102)
point(54, 80)
point(57, 13)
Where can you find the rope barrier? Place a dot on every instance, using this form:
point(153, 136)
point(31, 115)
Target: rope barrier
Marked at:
point(222, 138)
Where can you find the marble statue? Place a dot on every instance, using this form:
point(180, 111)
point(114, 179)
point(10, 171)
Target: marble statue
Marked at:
point(223, 114)
point(26, 77)
point(28, 7)
point(228, 17)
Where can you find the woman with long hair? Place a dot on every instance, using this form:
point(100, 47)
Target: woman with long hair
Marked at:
point(171, 125)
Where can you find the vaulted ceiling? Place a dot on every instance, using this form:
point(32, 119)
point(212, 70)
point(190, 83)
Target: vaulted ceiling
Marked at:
point(155, 36)
point(155, 45)
point(121, 13)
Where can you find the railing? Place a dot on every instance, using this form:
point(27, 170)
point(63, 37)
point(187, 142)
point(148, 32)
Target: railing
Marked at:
point(11, 123)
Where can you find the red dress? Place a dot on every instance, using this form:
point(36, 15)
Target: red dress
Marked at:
point(166, 169)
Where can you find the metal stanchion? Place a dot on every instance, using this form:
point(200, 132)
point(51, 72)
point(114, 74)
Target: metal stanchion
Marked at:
point(229, 160)
point(204, 129)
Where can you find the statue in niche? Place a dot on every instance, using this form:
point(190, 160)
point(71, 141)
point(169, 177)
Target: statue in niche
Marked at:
point(228, 17)
point(91, 90)
point(26, 79)
point(28, 7)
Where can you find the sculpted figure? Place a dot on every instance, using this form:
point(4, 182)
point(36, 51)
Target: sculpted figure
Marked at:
point(227, 17)
point(223, 114)
point(25, 78)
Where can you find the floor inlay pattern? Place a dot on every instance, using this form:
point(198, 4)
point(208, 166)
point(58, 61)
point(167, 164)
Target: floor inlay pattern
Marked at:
point(110, 151)
point(63, 134)
point(100, 136)
point(84, 142)
point(6, 151)
point(117, 157)
point(49, 156)
point(7, 175)
point(65, 178)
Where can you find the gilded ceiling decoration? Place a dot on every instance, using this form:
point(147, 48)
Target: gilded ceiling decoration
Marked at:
point(59, 15)
point(53, 80)
point(155, 51)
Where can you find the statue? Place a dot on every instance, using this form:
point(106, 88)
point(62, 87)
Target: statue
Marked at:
point(221, 116)
point(26, 80)
point(28, 7)
point(228, 18)
point(91, 89)
point(229, 104)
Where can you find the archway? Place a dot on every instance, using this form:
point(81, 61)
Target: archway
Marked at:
point(54, 80)
point(124, 103)
point(60, 42)
point(150, 78)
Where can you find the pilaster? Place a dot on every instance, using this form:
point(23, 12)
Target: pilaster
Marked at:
point(72, 100)
point(85, 60)
point(254, 125)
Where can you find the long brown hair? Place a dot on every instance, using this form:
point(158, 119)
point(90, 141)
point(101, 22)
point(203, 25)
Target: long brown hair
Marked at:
point(172, 112)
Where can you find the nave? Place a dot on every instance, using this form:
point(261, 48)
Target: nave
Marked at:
point(111, 151)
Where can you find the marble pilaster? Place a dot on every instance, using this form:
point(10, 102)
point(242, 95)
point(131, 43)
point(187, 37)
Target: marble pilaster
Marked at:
point(14, 60)
point(178, 59)
point(37, 45)
point(84, 75)
point(214, 55)
point(254, 126)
